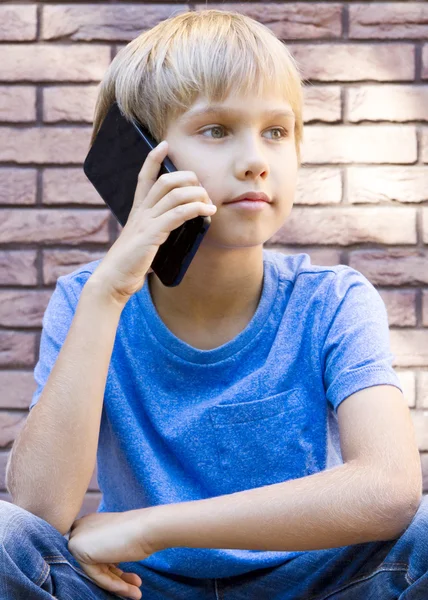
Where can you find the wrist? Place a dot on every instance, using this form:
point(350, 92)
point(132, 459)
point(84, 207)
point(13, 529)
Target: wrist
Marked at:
point(95, 293)
point(101, 291)
point(154, 527)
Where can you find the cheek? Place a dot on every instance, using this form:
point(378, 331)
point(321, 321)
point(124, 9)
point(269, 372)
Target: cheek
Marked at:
point(210, 182)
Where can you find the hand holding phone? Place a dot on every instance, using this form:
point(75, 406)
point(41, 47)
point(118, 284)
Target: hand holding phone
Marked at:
point(161, 204)
point(113, 165)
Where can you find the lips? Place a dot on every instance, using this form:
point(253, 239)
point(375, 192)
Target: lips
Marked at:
point(254, 196)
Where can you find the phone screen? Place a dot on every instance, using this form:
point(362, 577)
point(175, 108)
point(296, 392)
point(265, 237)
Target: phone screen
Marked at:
point(113, 164)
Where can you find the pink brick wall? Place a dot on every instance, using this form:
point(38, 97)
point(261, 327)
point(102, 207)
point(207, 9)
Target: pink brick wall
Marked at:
point(362, 196)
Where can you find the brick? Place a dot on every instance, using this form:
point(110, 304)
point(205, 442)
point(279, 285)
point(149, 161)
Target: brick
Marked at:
point(3, 462)
point(410, 347)
point(53, 62)
point(392, 266)
point(69, 186)
point(18, 185)
point(379, 184)
point(44, 144)
point(363, 144)
point(425, 225)
point(291, 20)
point(11, 424)
point(90, 504)
point(18, 23)
point(424, 145)
point(18, 267)
point(54, 226)
point(425, 61)
point(425, 307)
point(420, 424)
point(346, 226)
point(17, 349)
point(319, 186)
point(424, 464)
point(5, 497)
point(385, 102)
point(322, 104)
point(18, 389)
point(388, 21)
point(62, 262)
point(69, 103)
point(422, 388)
point(89, 22)
point(318, 256)
point(355, 62)
point(400, 306)
point(93, 484)
point(17, 103)
point(23, 308)
point(408, 383)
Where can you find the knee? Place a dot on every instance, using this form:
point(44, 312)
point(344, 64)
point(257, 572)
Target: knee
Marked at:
point(23, 533)
point(16, 521)
point(12, 517)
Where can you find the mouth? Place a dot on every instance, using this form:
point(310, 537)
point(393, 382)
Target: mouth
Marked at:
point(251, 197)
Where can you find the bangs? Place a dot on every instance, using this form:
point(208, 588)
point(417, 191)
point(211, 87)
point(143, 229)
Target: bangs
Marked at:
point(209, 53)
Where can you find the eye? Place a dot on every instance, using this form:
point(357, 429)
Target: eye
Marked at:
point(283, 131)
point(218, 127)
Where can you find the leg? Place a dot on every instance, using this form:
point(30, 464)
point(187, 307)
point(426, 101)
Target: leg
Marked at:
point(386, 570)
point(35, 563)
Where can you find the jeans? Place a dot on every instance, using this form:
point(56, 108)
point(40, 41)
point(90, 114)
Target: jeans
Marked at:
point(35, 564)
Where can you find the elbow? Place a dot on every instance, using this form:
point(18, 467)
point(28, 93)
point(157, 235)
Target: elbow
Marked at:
point(58, 523)
point(410, 498)
point(407, 511)
point(55, 516)
point(54, 519)
point(399, 519)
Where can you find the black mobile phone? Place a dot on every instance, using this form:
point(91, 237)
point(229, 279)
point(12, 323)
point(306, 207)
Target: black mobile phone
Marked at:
point(112, 166)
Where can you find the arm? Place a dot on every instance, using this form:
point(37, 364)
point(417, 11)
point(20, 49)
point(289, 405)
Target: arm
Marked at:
point(373, 496)
point(56, 449)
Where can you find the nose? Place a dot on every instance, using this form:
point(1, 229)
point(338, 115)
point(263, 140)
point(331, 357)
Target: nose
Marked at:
point(252, 161)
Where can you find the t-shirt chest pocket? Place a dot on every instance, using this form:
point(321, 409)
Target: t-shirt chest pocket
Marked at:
point(262, 442)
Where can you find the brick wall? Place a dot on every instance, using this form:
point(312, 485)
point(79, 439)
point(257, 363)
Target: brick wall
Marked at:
point(362, 197)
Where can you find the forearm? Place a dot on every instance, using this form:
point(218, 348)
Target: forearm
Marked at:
point(56, 449)
point(341, 506)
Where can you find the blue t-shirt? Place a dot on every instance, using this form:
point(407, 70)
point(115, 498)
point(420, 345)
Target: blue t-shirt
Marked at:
point(181, 424)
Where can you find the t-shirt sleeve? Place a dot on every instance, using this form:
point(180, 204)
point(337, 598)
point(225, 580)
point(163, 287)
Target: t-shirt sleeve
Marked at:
point(56, 323)
point(356, 351)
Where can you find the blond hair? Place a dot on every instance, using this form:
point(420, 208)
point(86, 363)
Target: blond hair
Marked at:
point(212, 53)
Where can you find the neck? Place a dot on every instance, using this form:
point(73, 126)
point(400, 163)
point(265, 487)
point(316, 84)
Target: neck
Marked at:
point(217, 286)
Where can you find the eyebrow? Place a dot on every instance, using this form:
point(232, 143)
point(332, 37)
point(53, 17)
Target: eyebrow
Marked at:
point(214, 109)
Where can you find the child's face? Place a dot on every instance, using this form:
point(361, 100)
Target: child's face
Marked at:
point(239, 151)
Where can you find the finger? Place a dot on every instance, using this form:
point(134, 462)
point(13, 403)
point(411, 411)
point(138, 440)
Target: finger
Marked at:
point(149, 172)
point(74, 524)
point(179, 196)
point(105, 579)
point(131, 578)
point(114, 583)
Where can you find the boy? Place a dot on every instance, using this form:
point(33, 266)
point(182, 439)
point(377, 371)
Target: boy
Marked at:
point(227, 456)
